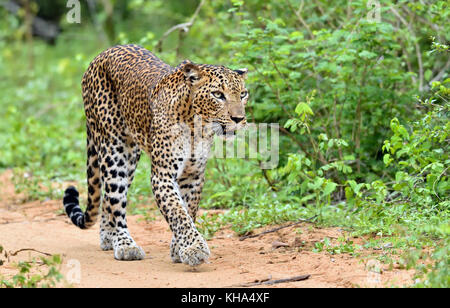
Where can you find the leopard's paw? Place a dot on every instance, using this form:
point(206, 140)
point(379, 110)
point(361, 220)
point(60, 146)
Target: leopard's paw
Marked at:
point(106, 240)
point(196, 253)
point(129, 252)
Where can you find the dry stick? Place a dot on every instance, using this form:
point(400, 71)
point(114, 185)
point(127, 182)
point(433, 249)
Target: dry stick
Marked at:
point(270, 282)
point(28, 249)
point(278, 228)
point(183, 27)
point(28, 221)
point(291, 279)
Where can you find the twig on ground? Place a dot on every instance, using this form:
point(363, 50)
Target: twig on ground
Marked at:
point(276, 229)
point(271, 282)
point(28, 249)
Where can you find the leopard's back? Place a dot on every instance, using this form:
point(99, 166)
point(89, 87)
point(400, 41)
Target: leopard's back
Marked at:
point(116, 89)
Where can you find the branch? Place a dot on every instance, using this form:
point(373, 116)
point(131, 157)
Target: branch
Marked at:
point(299, 17)
point(273, 281)
point(319, 7)
point(442, 72)
point(182, 27)
point(418, 51)
point(28, 249)
point(439, 75)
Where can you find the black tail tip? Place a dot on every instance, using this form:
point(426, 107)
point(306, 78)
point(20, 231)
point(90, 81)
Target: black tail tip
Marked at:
point(70, 196)
point(71, 191)
point(72, 207)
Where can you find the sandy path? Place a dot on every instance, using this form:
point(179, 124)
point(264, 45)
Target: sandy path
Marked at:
point(38, 225)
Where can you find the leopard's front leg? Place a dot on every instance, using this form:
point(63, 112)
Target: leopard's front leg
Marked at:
point(191, 246)
point(190, 183)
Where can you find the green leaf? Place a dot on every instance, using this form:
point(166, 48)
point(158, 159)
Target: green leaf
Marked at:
point(329, 188)
point(303, 108)
point(365, 54)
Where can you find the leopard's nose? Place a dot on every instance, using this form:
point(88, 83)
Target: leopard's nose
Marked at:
point(237, 119)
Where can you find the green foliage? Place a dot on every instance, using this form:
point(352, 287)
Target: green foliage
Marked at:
point(344, 246)
point(31, 274)
point(208, 224)
point(422, 156)
point(355, 71)
point(243, 220)
point(435, 275)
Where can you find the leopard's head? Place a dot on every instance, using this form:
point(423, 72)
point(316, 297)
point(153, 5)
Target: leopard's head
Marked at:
point(218, 95)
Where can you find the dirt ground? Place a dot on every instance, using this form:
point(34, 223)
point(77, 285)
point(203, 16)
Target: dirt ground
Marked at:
point(41, 226)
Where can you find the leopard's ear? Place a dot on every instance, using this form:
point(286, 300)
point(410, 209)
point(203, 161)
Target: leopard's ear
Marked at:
point(243, 72)
point(191, 71)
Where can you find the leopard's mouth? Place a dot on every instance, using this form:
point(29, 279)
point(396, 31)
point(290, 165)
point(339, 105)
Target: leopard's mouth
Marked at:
point(228, 133)
point(221, 129)
point(227, 130)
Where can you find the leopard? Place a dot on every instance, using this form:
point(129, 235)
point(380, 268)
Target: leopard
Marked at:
point(135, 103)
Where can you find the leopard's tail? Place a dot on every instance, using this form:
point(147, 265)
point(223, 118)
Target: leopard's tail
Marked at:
point(72, 207)
point(70, 201)
point(73, 210)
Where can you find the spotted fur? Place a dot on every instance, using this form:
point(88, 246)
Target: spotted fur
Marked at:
point(135, 102)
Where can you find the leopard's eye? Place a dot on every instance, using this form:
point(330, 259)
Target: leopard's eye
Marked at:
point(218, 95)
point(244, 94)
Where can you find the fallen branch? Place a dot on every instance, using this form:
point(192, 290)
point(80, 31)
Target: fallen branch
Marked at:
point(28, 249)
point(271, 282)
point(278, 228)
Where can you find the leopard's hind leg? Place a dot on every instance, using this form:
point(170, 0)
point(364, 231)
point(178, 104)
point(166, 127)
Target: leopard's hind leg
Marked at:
point(118, 161)
point(107, 230)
